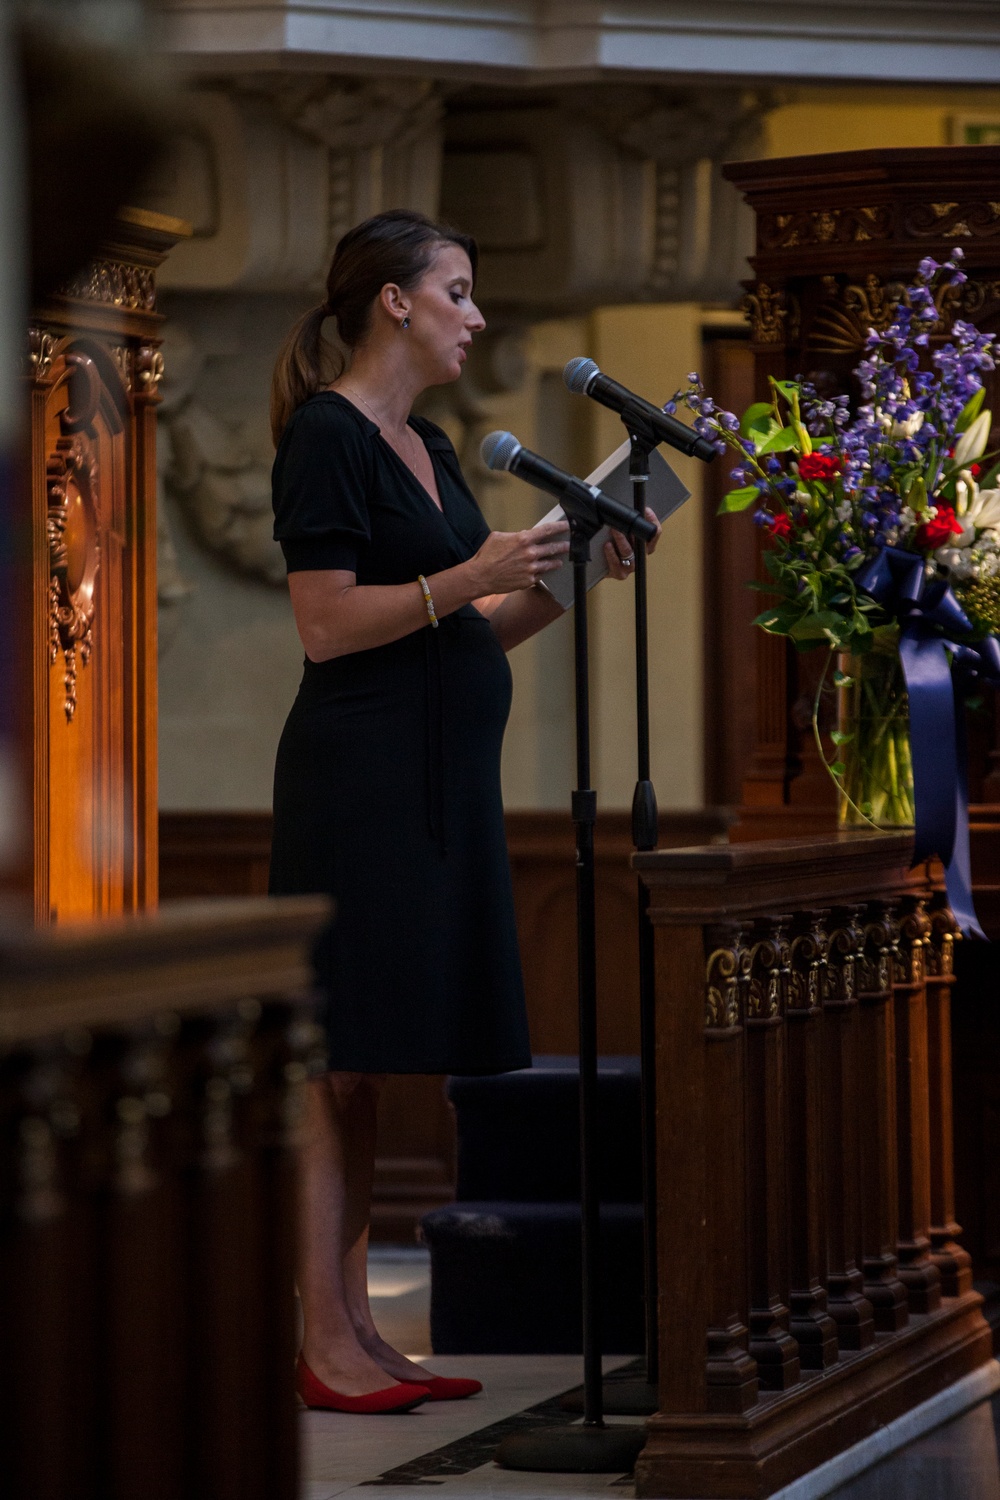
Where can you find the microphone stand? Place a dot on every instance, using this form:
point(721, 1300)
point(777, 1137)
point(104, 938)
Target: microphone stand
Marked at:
point(591, 1448)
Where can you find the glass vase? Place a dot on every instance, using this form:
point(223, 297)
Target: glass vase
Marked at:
point(873, 722)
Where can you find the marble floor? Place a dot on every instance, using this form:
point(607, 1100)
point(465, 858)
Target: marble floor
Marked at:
point(449, 1444)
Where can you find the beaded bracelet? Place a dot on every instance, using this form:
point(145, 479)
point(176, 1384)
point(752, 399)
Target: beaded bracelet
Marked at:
point(428, 600)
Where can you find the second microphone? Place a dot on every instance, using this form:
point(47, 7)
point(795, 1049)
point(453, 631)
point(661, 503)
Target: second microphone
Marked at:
point(502, 451)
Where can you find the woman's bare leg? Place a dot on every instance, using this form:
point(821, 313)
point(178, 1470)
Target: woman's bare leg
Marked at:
point(336, 1166)
point(360, 1176)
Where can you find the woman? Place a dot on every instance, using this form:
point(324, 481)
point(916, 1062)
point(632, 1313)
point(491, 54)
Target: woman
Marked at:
point(387, 782)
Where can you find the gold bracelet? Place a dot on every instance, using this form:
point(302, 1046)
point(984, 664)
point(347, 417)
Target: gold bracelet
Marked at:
point(428, 600)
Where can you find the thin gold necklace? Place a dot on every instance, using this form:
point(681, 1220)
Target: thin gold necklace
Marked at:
point(410, 463)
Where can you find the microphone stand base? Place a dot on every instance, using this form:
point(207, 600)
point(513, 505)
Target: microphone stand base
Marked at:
point(573, 1450)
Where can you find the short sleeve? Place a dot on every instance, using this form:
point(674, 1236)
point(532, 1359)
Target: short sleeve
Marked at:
point(319, 486)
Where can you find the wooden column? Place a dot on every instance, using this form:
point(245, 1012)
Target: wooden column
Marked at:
point(953, 1262)
point(810, 1324)
point(877, 1119)
point(731, 1372)
point(917, 1271)
point(849, 1308)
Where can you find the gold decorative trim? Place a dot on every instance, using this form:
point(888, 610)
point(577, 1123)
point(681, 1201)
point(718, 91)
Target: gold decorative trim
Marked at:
point(769, 311)
point(41, 352)
point(122, 357)
point(74, 558)
point(149, 369)
point(727, 971)
point(117, 283)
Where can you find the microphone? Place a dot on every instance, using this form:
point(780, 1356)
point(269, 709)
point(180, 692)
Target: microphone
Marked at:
point(501, 450)
point(586, 378)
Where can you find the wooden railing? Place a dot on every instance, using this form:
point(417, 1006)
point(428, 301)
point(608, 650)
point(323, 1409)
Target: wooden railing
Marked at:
point(150, 1075)
point(811, 1283)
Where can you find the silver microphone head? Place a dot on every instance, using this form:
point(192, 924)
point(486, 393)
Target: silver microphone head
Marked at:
point(498, 450)
point(579, 373)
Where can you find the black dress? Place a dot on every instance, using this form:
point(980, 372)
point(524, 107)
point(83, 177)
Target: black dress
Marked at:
point(387, 781)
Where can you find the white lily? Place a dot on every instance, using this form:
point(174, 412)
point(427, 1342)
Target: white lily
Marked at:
point(908, 428)
point(972, 444)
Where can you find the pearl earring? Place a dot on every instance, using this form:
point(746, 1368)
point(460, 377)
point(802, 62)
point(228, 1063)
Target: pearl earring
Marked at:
point(405, 323)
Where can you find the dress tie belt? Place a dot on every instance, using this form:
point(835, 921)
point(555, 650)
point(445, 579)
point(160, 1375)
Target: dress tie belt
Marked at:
point(434, 682)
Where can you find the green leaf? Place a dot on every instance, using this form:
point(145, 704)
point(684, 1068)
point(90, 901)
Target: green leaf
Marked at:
point(756, 416)
point(840, 679)
point(738, 499)
point(839, 737)
point(867, 809)
point(992, 479)
point(780, 618)
point(781, 441)
point(817, 626)
point(838, 768)
point(788, 388)
point(971, 409)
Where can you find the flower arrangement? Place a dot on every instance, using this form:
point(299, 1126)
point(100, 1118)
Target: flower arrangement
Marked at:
point(906, 475)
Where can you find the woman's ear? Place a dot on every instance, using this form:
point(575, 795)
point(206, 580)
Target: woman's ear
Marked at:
point(395, 302)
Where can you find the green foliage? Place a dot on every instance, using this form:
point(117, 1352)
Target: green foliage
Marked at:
point(971, 409)
point(781, 441)
point(738, 500)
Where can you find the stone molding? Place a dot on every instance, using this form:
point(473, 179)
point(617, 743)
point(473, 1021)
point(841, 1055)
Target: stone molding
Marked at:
point(564, 40)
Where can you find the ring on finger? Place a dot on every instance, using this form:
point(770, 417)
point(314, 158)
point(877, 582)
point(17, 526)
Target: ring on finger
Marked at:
point(627, 562)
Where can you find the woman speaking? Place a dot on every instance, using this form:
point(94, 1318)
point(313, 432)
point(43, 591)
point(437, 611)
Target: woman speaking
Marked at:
point(387, 780)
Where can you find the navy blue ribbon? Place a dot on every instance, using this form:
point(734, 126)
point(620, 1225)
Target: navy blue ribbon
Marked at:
point(939, 671)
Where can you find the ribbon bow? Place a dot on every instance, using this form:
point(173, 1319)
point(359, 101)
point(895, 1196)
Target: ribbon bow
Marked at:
point(936, 682)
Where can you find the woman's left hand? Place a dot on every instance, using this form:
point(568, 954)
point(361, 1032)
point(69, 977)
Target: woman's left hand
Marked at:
point(620, 554)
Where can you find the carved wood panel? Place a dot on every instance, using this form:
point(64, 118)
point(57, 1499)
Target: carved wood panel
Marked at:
point(88, 602)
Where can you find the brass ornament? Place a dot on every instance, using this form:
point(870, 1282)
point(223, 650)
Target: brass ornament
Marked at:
point(41, 352)
point(727, 971)
point(148, 369)
point(825, 226)
point(122, 356)
point(74, 557)
point(774, 315)
point(116, 283)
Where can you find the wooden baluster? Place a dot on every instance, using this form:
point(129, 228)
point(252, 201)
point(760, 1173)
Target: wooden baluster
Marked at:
point(917, 1271)
point(877, 1102)
point(771, 1344)
point(287, 1047)
point(848, 1306)
point(141, 1253)
point(225, 1422)
point(36, 1377)
point(811, 1324)
point(731, 1373)
point(953, 1262)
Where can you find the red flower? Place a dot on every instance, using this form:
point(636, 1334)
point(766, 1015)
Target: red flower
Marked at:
point(935, 533)
point(822, 466)
point(781, 526)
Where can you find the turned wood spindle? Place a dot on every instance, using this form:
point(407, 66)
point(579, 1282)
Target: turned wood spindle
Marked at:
point(953, 1262)
point(810, 1324)
point(917, 1271)
point(730, 1372)
point(877, 1119)
point(771, 1344)
point(847, 1304)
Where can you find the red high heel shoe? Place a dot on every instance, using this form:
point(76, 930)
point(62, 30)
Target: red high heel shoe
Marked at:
point(402, 1397)
point(443, 1388)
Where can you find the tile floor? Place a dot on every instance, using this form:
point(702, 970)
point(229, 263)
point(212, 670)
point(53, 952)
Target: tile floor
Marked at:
point(345, 1455)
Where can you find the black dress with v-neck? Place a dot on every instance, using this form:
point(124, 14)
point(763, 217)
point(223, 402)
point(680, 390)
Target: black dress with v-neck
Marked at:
point(387, 780)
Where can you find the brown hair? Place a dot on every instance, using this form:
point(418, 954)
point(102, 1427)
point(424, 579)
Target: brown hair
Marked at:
point(398, 247)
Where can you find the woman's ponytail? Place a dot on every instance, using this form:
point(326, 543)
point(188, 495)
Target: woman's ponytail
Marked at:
point(302, 368)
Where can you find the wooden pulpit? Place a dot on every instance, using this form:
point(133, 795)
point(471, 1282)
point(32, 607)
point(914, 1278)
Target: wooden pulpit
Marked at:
point(88, 583)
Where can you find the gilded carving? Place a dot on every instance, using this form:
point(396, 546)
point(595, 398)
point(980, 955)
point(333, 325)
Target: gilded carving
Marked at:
point(914, 940)
point(115, 282)
point(773, 314)
point(842, 323)
point(940, 950)
point(123, 363)
point(727, 970)
point(770, 969)
point(844, 226)
point(148, 369)
point(845, 948)
point(41, 352)
point(977, 220)
point(875, 960)
point(809, 961)
point(74, 557)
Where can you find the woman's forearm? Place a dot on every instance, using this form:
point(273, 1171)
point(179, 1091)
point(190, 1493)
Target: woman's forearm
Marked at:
point(335, 617)
point(516, 617)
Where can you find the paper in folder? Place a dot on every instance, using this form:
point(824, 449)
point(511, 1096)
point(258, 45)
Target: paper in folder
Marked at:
point(664, 495)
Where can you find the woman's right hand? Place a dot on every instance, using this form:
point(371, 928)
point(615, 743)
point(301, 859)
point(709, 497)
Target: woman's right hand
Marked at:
point(512, 560)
